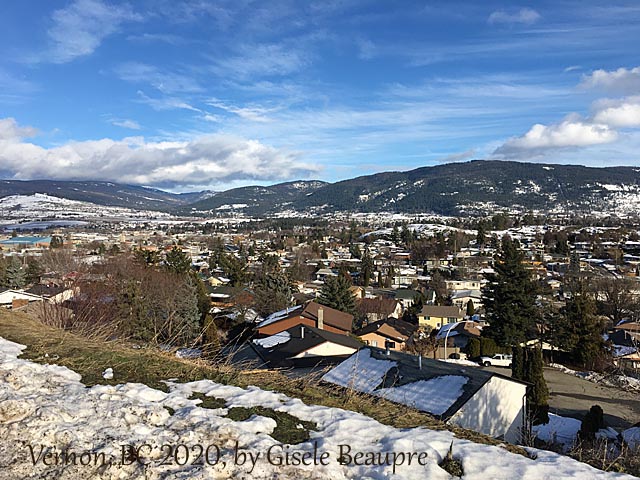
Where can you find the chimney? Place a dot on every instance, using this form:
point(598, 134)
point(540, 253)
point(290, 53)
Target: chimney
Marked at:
point(420, 362)
point(320, 325)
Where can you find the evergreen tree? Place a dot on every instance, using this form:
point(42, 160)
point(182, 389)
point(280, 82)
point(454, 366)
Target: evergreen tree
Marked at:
point(538, 394)
point(204, 300)
point(235, 268)
point(355, 251)
point(481, 235)
point(177, 261)
point(56, 242)
point(14, 274)
point(517, 363)
point(395, 235)
point(33, 271)
point(582, 328)
point(366, 268)
point(336, 293)
point(509, 297)
point(591, 423)
point(272, 293)
point(471, 310)
point(406, 235)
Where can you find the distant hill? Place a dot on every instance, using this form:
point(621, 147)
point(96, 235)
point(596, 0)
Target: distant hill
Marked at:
point(256, 200)
point(468, 188)
point(480, 186)
point(102, 193)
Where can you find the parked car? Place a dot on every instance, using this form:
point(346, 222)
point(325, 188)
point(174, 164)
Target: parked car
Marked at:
point(498, 360)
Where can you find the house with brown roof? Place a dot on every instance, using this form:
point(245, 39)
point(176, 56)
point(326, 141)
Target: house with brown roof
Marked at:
point(435, 316)
point(388, 332)
point(379, 308)
point(311, 314)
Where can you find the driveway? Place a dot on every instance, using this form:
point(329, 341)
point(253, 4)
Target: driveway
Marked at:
point(571, 396)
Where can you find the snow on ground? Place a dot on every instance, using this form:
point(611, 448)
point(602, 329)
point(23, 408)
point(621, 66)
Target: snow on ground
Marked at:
point(47, 407)
point(624, 382)
point(460, 361)
point(632, 437)
point(559, 430)
point(42, 206)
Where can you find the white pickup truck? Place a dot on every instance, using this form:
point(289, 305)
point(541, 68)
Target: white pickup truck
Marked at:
point(498, 360)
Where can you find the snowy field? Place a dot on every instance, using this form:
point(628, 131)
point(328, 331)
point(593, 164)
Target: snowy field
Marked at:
point(47, 415)
point(623, 382)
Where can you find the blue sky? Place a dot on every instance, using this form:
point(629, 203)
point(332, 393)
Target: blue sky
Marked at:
point(216, 94)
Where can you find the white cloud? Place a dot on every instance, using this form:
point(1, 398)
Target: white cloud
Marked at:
point(457, 157)
point(572, 132)
point(80, 28)
point(10, 131)
point(366, 49)
point(259, 60)
point(621, 80)
point(618, 113)
point(202, 161)
point(126, 123)
point(166, 82)
point(526, 16)
point(166, 103)
point(254, 114)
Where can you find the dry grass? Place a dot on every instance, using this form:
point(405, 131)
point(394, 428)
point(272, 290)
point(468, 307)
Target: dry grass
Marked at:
point(90, 357)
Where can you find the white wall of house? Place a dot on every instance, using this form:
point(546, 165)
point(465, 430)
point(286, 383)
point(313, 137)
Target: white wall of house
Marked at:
point(327, 349)
point(497, 410)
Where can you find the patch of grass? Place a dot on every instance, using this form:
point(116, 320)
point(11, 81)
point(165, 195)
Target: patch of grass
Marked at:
point(90, 357)
point(208, 402)
point(452, 465)
point(289, 429)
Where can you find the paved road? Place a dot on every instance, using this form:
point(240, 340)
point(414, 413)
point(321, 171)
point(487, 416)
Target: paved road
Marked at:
point(571, 396)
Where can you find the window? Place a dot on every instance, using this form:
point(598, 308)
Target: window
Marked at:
point(452, 320)
point(374, 343)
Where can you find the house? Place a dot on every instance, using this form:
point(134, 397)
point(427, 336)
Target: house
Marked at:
point(390, 331)
point(17, 298)
point(435, 316)
point(406, 297)
point(51, 292)
point(374, 309)
point(304, 346)
point(311, 314)
point(461, 298)
point(456, 336)
point(471, 398)
point(323, 273)
point(454, 285)
point(404, 278)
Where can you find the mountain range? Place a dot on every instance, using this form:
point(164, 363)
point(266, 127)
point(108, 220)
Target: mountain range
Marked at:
point(467, 188)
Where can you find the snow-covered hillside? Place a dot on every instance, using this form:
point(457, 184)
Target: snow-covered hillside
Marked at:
point(47, 407)
point(40, 206)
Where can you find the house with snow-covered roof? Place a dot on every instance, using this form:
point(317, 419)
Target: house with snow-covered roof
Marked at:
point(471, 398)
